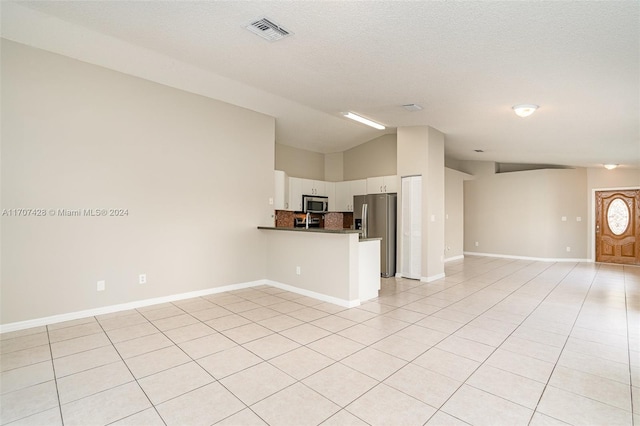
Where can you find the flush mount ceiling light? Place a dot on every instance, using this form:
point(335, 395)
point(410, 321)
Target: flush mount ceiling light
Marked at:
point(524, 110)
point(610, 166)
point(267, 29)
point(412, 107)
point(363, 120)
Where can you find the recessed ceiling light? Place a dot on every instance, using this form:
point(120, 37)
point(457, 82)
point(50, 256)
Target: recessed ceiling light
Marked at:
point(412, 107)
point(524, 110)
point(363, 120)
point(610, 166)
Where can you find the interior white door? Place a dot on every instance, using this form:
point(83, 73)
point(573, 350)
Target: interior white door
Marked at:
point(411, 227)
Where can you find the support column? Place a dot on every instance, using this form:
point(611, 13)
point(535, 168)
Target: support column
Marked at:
point(421, 152)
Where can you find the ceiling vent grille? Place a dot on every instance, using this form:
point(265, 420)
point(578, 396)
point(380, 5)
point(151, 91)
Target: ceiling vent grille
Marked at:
point(267, 29)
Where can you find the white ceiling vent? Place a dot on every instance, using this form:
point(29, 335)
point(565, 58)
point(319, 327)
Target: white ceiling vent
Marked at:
point(267, 29)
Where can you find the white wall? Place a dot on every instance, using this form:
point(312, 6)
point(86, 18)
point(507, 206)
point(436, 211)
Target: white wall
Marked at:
point(195, 175)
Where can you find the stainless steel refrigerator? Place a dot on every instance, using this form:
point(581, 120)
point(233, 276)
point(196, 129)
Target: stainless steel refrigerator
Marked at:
point(375, 215)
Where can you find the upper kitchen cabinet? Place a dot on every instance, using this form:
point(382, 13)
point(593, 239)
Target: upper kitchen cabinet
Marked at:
point(345, 192)
point(382, 184)
point(330, 192)
point(295, 194)
point(358, 187)
point(299, 187)
point(314, 187)
point(281, 191)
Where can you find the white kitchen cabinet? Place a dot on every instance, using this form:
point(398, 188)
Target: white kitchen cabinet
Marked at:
point(281, 191)
point(343, 197)
point(295, 194)
point(345, 192)
point(358, 187)
point(330, 193)
point(382, 184)
point(313, 187)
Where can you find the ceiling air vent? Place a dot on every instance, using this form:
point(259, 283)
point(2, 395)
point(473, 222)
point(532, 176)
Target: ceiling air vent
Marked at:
point(267, 29)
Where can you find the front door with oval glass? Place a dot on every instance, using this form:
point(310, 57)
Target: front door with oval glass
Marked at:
point(618, 227)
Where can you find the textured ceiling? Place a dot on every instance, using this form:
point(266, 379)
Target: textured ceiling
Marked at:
point(466, 63)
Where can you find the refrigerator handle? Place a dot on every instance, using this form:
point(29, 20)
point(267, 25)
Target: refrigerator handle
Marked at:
point(365, 222)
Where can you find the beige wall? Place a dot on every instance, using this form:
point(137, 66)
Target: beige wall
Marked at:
point(299, 163)
point(520, 213)
point(421, 152)
point(374, 158)
point(334, 167)
point(328, 262)
point(194, 174)
point(454, 212)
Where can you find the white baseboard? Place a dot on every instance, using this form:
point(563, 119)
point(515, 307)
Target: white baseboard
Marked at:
point(319, 296)
point(432, 278)
point(451, 259)
point(54, 319)
point(537, 259)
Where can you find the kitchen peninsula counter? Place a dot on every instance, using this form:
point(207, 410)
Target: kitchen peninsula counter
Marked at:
point(333, 265)
point(320, 230)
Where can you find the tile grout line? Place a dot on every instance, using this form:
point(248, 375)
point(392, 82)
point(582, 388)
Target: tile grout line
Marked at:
point(626, 311)
point(55, 377)
point(134, 379)
point(586, 295)
point(492, 352)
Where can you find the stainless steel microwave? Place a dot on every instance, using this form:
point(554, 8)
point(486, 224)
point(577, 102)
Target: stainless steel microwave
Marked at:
point(315, 204)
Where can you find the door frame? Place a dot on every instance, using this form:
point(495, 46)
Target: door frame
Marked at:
point(592, 215)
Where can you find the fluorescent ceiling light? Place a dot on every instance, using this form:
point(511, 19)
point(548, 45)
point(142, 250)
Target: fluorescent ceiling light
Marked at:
point(524, 110)
point(610, 166)
point(363, 120)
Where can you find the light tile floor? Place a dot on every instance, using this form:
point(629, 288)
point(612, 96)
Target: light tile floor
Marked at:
point(497, 342)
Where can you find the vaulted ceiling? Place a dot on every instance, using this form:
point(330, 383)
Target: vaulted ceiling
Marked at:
point(465, 63)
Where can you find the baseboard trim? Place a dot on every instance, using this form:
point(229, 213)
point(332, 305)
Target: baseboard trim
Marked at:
point(451, 259)
point(537, 259)
point(432, 278)
point(54, 319)
point(319, 296)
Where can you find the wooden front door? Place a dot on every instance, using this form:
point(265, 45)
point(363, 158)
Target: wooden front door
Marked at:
point(618, 227)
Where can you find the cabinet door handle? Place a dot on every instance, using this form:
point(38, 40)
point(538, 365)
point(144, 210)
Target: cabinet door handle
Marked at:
point(385, 188)
point(380, 188)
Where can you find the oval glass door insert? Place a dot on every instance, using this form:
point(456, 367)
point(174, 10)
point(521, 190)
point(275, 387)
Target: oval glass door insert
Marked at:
point(618, 216)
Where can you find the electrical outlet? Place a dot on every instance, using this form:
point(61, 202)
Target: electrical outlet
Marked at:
point(270, 201)
point(298, 271)
point(477, 244)
point(142, 278)
point(578, 219)
point(568, 249)
point(563, 218)
point(101, 285)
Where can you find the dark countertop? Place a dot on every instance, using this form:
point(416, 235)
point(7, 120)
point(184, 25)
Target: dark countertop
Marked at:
point(318, 230)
